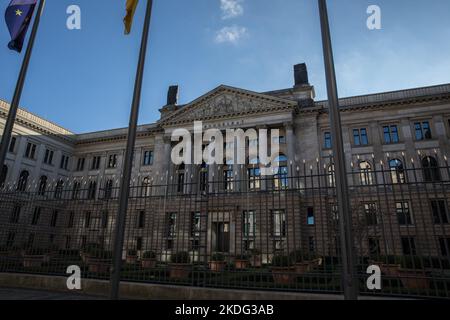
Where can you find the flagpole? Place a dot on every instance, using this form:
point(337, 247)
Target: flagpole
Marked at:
point(344, 208)
point(127, 167)
point(7, 131)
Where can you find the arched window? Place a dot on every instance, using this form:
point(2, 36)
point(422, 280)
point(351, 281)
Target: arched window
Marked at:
point(76, 190)
point(3, 175)
point(280, 180)
point(23, 181)
point(228, 175)
point(109, 188)
point(431, 171)
point(254, 174)
point(365, 173)
point(146, 187)
point(92, 190)
point(203, 177)
point(331, 176)
point(42, 185)
point(180, 178)
point(397, 171)
point(59, 189)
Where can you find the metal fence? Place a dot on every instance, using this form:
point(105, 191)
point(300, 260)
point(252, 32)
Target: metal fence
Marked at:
point(230, 227)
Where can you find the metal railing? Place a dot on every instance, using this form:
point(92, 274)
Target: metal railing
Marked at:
point(229, 227)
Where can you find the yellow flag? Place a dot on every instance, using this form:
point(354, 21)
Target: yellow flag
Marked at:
point(131, 9)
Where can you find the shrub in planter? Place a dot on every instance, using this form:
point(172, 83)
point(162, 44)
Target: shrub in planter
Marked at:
point(179, 268)
point(88, 250)
point(131, 257)
point(412, 273)
point(255, 259)
point(9, 251)
point(241, 262)
point(34, 258)
point(148, 260)
point(389, 265)
point(304, 262)
point(99, 261)
point(217, 262)
point(282, 270)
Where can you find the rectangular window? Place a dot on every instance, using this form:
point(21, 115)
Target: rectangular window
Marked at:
point(105, 219)
point(87, 219)
point(139, 243)
point(64, 162)
point(311, 244)
point(370, 211)
point(195, 224)
point(80, 164)
point(278, 223)
point(140, 223)
point(440, 211)
point(54, 219)
point(36, 216)
point(12, 145)
point(71, 220)
point(403, 213)
point(374, 247)
point(391, 134)
point(360, 137)
point(228, 178)
point(310, 216)
point(423, 130)
point(10, 239)
point(48, 158)
point(112, 161)
point(409, 246)
point(68, 242)
point(148, 158)
point(444, 244)
point(254, 178)
point(30, 152)
point(327, 140)
point(171, 225)
point(15, 215)
point(249, 224)
point(95, 163)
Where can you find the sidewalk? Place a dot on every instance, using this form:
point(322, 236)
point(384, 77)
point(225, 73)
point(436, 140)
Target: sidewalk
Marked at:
point(25, 294)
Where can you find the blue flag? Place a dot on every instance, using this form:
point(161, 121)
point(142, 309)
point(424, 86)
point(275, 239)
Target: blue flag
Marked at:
point(18, 17)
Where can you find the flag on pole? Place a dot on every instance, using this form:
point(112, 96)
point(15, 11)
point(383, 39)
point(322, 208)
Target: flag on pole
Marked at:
point(131, 9)
point(18, 17)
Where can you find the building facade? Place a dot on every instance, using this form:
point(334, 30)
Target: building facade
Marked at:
point(395, 143)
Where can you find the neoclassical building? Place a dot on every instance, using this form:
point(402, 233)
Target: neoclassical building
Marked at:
point(381, 132)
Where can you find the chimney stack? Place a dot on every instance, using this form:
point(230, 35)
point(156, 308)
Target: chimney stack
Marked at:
point(172, 96)
point(301, 75)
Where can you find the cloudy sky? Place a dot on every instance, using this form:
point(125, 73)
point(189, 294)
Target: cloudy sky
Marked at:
point(83, 79)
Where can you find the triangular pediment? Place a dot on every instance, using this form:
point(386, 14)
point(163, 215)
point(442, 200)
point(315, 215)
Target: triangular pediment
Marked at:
point(228, 102)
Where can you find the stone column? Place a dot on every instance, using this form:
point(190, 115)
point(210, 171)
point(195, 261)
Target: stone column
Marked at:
point(290, 143)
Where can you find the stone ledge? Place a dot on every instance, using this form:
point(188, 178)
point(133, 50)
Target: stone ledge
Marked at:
point(131, 290)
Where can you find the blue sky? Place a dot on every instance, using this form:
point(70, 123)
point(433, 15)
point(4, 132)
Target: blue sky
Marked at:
point(83, 79)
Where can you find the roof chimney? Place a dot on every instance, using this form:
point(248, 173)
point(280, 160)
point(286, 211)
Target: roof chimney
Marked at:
point(301, 75)
point(172, 96)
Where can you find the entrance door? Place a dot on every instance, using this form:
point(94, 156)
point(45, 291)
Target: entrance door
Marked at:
point(222, 237)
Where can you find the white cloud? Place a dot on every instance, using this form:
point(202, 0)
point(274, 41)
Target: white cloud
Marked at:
point(230, 34)
point(231, 8)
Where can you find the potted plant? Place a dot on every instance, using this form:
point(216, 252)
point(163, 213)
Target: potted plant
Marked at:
point(304, 263)
point(241, 262)
point(255, 259)
point(413, 274)
point(90, 247)
point(131, 257)
point(179, 268)
point(98, 260)
point(148, 260)
point(34, 258)
point(389, 265)
point(282, 270)
point(217, 262)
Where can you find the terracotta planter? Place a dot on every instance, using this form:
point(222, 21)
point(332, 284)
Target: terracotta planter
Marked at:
point(256, 262)
point(98, 265)
point(131, 259)
point(33, 261)
point(414, 279)
point(391, 270)
point(241, 264)
point(148, 263)
point(217, 266)
point(283, 275)
point(179, 270)
point(302, 267)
